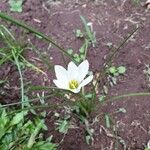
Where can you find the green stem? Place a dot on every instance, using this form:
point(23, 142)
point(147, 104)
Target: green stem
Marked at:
point(21, 78)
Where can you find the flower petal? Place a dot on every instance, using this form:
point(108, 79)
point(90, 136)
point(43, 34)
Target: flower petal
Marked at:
point(61, 72)
point(86, 81)
point(83, 70)
point(72, 71)
point(61, 84)
point(75, 90)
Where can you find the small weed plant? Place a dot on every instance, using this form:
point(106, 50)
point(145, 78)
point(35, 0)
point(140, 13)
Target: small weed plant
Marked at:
point(114, 72)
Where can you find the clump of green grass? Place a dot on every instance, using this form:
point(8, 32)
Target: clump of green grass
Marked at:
point(13, 52)
point(20, 133)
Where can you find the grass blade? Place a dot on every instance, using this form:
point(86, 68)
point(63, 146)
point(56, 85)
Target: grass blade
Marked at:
point(23, 25)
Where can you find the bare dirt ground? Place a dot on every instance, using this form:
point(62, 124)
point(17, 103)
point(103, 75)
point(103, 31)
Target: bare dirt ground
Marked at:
point(112, 20)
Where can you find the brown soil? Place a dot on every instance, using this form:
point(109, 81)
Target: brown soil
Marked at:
point(112, 20)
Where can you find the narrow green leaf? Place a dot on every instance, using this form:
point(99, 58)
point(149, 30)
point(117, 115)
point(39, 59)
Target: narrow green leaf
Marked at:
point(18, 118)
point(107, 121)
point(87, 29)
point(2, 81)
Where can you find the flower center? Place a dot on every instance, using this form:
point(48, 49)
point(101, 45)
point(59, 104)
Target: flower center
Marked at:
point(73, 84)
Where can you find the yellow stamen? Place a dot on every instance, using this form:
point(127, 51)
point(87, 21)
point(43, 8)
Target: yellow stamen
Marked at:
point(73, 84)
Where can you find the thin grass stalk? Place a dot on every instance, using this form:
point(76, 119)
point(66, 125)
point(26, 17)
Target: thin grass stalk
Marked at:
point(109, 60)
point(23, 25)
point(21, 78)
point(115, 98)
point(35, 107)
point(120, 45)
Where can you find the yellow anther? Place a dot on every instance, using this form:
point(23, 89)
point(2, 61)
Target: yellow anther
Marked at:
point(73, 84)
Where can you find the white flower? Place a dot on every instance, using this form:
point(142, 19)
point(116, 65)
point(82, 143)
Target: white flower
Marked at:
point(73, 78)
